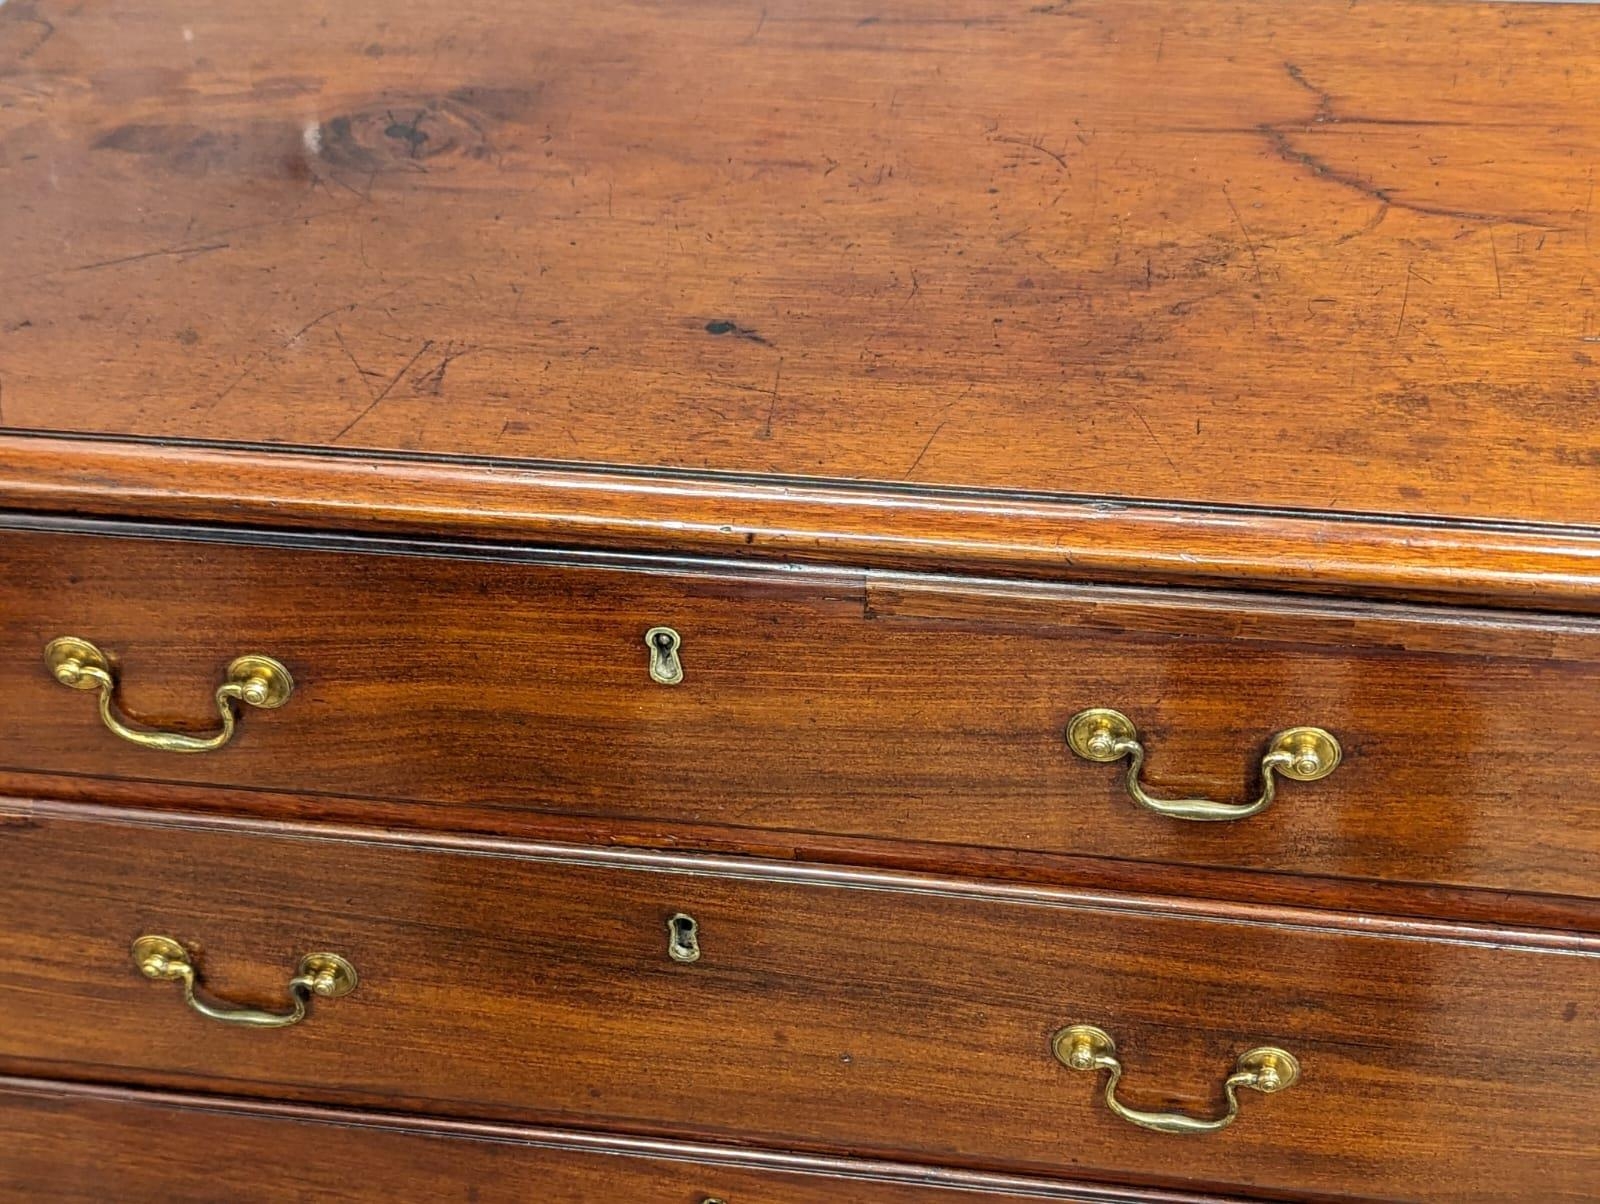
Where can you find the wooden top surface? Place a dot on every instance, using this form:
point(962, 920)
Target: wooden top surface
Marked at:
point(1325, 255)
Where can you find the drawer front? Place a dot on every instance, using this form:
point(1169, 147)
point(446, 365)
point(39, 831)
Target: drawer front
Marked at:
point(849, 705)
point(831, 1010)
point(86, 1145)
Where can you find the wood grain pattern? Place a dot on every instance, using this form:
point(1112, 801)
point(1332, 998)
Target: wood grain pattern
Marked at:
point(1229, 251)
point(534, 985)
point(1080, 539)
point(842, 704)
point(79, 1144)
point(1379, 902)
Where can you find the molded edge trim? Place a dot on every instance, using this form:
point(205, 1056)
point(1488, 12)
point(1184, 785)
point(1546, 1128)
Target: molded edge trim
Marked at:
point(735, 867)
point(731, 1157)
point(1073, 539)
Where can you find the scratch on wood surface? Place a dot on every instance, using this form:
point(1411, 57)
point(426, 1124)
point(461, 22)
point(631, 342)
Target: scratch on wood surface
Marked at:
point(1137, 413)
point(247, 372)
point(432, 381)
point(913, 465)
point(361, 373)
point(187, 250)
point(317, 321)
point(393, 380)
point(1588, 212)
point(1405, 297)
point(1036, 143)
point(772, 407)
point(916, 288)
point(200, 249)
point(1368, 226)
point(1249, 242)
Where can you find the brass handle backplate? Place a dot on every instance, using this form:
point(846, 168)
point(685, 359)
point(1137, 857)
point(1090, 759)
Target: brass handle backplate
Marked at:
point(1267, 1070)
point(258, 681)
point(1303, 754)
point(325, 975)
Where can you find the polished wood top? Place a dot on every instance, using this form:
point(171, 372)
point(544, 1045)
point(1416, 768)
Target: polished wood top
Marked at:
point(1313, 256)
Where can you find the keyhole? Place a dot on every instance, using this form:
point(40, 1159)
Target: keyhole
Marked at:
point(665, 667)
point(683, 938)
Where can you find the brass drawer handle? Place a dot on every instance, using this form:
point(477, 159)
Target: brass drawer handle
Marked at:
point(325, 975)
point(1304, 754)
point(259, 681)
point(1267, 1069)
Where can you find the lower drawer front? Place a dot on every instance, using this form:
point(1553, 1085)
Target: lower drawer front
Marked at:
point(69, 1145)
point(830, 1010)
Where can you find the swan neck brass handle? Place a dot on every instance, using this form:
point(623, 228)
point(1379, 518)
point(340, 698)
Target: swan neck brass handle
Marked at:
point(1267, 1070)
point(1303, 754)
point(258, 681)
point(325, 975)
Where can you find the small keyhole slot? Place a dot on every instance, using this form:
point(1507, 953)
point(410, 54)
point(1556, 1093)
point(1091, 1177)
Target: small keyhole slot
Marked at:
point(683, 938)
point(665, 667)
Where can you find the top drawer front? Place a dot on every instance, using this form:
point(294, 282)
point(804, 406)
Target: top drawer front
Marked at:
point(842, 704)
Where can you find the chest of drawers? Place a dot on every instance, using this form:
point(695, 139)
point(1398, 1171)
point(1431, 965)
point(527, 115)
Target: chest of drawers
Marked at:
point(753, 604)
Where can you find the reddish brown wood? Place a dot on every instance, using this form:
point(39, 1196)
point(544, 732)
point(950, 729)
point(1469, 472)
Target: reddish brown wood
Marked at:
point(422, 821)
point(804, 326)
point(840, 704)
point(76, 1142)
point(1316, 256)
point(737, 865)
point(533, 984)
point(1547, 568)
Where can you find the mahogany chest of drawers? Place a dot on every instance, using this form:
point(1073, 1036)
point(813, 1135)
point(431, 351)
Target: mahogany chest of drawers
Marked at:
point(768, 603)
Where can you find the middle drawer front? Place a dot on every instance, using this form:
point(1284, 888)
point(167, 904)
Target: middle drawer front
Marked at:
point(827, 1009)
point(853, 705)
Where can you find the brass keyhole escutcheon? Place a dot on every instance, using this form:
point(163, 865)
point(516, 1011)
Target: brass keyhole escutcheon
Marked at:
point(665, 667)
point(683, 938)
